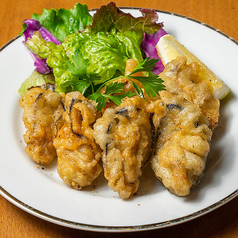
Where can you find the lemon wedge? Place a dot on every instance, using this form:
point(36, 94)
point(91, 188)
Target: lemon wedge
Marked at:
point(169, 48)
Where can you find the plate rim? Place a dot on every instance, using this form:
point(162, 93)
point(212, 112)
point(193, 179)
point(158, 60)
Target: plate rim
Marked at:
point(100, 228)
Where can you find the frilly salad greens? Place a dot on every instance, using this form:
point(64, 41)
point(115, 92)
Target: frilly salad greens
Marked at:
point(85, 53)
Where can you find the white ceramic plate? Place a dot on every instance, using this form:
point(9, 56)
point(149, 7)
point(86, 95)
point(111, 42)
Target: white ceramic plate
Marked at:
point(40, 191)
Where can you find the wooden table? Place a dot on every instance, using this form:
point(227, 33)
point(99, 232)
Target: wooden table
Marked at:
point(221, 14)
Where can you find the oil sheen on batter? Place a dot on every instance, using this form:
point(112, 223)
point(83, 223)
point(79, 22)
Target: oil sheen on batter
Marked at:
point(184, 132)
point(78, 153)
point(42, 118)
point(124, 134)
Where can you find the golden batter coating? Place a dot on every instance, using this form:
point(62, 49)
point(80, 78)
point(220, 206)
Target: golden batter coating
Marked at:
point(124, 134)
point(173, 129)
point(42, 118)
point(190, 115)
point(183, 144)
point(78, 154)
point(182, 79)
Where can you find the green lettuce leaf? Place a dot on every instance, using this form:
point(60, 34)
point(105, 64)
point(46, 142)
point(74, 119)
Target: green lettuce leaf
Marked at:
point(131, 40)
point(104, 46)
point(56, 59)
point(62, 22)
point(35, 79)
point(105, 53)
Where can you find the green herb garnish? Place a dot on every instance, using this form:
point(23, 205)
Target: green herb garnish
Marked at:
point(78, 68)
point(152, 84)
point(111, 89)
point(94, 51)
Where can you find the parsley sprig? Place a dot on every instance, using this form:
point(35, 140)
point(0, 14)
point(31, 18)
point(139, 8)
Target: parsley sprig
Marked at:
point(78, 68)
point(113, 90)
point(151, 82)
point(111, 93)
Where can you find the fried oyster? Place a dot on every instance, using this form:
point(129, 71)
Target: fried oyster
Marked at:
point(173, 130)
point(184, 132)
point(183, 79)
point(78, 154)
point(182, 146)
point(124, 133)
point(42, 118)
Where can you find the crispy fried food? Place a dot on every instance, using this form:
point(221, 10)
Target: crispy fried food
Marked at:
point(124, 134)
point(42, 118)
point(173, 129)
point(190, 115)
point(78, 154)
point(183, 144)
point(182, 79)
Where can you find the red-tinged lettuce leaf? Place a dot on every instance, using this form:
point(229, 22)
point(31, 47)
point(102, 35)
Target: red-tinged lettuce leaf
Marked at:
point(148, 45)
point(62, 22)
point(110, 18)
